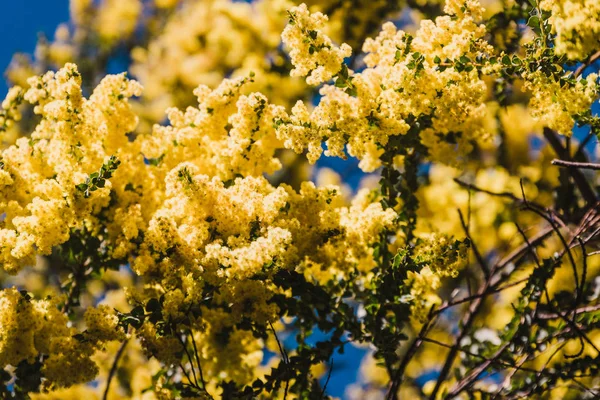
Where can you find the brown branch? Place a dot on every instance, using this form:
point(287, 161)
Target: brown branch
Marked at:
point(506, 195)
point(520, 251)
point(484, 267)
point(493, 289)
point(198, 360)
point(327, 381)
point(466, 323)
point(580, 181)
point(286, 360)
point(470, 353)
point(412, 350)
point(581, 310)
point(475, 372)
point(113, 368)
point(593, 58)
point(575, 164)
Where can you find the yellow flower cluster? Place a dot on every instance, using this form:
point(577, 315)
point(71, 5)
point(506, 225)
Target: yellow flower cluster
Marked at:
point(117, 19)
point(311, 51)
point(10, 108)
point(401, 80)
point(227, 135)
point(576, 24)
point(440, 254)
point(234, 232)
point(31, 328)
point(176, 206)
point(365, 17)
point(38, 194)
point(206, 41)
point(554, 103)
point(423, 293)
point(194, 206)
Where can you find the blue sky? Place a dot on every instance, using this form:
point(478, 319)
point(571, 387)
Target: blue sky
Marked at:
point(22, 21)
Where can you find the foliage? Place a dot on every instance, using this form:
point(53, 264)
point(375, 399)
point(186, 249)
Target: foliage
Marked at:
point(193, 258)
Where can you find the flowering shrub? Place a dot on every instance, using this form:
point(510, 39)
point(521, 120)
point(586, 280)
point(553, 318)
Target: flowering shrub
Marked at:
point(160, 237)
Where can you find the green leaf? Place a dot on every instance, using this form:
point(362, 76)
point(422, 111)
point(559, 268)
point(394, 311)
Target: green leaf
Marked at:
point(534, 22)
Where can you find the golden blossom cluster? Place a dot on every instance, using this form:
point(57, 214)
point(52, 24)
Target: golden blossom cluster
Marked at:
point(181, 228)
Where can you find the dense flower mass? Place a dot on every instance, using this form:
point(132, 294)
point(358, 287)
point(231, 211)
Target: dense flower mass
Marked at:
point(577, 25)
point(160, 237)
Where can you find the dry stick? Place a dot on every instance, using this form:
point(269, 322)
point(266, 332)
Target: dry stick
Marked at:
point(467, 352)
point(472, 376)
point(587, 63)
point(190, 360)
point(478, 256)
point(560, 236)
point(397, 379)
point(507, 195)
point(581, 310)
point(523, 249)
point(528, 243)
point(511, 196)
point(113, 368)
point(327, 381)
point(582, 184)
point(466, 323)
point(285, 360)
point(575, 164)
point(447, 305)
point(198, 361)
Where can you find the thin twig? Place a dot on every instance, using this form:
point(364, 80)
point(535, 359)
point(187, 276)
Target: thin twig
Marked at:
point(189, 358)
point(581, 310)
point(523, 249)
point(113, 368)
point(286, 361)
point(566, 246)
point(475, 372)
point(575, 164)
point(506, 195)
point(327, 381)
point(587, 63)
point(484, 267)
point(583, 270)
point(580, 154)
point(466, 323)
point(412, 350)
point(198, 360)
point(582, 184)
point(492, 290)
